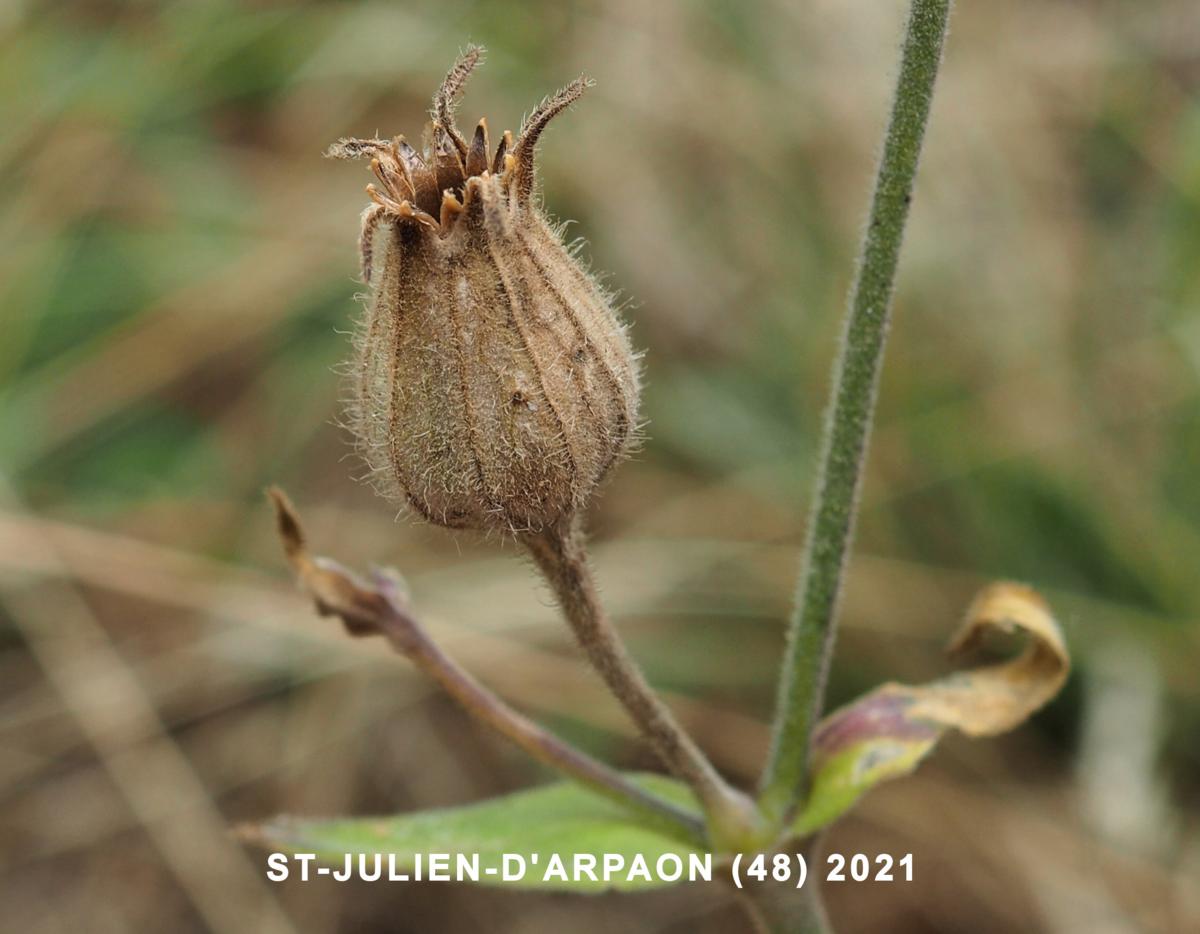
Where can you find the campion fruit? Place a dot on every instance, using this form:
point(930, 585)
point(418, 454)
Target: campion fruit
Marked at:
point(494, 385)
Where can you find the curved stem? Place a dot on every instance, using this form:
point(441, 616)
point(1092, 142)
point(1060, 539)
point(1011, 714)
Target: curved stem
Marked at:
point(848, 423)
point(377, 608)
point(541, 744)
point(559, 552)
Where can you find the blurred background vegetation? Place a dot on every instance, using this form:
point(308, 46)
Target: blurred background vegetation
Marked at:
point(176, 279)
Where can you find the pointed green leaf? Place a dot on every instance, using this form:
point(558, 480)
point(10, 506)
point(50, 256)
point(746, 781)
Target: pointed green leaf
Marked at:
point(563, 819)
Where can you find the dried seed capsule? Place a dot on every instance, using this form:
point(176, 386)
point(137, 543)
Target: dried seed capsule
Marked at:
point(494, 385)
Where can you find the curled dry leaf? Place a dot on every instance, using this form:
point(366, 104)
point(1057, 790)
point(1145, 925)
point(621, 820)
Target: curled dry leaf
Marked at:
point(886, 733)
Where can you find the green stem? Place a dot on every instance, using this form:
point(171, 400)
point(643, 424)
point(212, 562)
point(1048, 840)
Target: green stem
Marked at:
point(776, 908)
point(848, 425)
point(787, 911)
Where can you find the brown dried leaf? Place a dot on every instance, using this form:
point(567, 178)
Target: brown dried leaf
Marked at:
point(336, 590)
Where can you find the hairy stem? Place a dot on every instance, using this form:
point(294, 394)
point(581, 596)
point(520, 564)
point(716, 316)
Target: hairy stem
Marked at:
point(560, 553)
point(538, 742)
point(377, 608)
point(785, 910)
point(776, 908)
point(848, 424)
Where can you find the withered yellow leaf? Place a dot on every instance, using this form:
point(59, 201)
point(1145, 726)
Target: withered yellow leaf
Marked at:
point(887, 732)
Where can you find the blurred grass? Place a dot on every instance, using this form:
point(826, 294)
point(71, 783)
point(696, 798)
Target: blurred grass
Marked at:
point(175, 274)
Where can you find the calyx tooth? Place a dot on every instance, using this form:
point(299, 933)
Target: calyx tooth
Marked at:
point(506, 143)
point(477, 155)
point(425, 186)
point(451, 208)
point(448, 164)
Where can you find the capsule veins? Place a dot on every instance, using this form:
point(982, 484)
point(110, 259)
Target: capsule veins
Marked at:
point(494, 385)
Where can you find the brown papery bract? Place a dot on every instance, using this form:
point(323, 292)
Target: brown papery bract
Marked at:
point(494, 385)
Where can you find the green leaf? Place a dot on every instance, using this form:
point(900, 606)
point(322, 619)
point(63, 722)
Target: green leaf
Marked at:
point(563, 819)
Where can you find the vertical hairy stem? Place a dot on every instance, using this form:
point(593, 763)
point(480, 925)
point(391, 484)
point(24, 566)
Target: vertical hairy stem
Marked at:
point(776, 908)
point(784, 910)
point(560, 553)
point(831, 523)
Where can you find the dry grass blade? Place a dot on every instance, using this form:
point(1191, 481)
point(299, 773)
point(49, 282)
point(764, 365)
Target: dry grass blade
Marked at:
point(155, 778)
